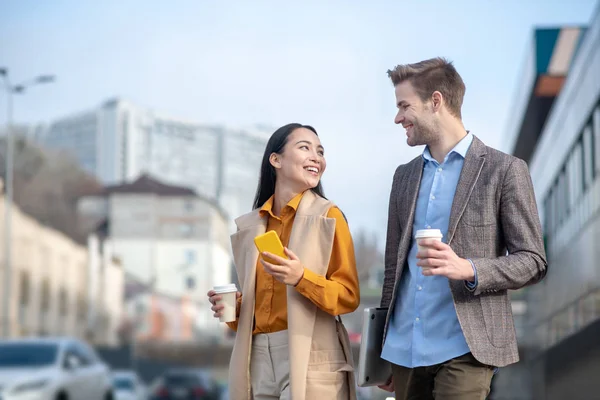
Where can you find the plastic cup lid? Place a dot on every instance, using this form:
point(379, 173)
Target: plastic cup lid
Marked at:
point(423, 233)
point(225, 288)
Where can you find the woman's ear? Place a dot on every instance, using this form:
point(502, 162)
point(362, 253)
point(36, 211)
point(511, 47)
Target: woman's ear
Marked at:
point(275, 160)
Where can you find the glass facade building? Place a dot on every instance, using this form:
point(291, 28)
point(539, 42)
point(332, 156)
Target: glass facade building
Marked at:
point(558, 133)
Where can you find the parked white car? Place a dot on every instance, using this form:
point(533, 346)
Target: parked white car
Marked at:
point(52, 369)
point(127, 385)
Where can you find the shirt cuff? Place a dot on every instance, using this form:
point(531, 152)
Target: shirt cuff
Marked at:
point(309, 283)
point(238, 306)
point(472, 285)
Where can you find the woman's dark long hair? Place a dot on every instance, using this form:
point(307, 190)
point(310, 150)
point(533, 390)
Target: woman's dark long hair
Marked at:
point(266, 182)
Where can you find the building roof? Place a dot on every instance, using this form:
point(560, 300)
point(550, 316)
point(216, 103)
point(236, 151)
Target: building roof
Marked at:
point(148, 185)
point(550, 56)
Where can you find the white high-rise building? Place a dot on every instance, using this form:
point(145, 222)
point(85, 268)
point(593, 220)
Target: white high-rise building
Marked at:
point(120, 141)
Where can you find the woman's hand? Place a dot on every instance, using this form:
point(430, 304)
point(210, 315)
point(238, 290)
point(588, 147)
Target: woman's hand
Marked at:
point(289, 271)
point(218, 308)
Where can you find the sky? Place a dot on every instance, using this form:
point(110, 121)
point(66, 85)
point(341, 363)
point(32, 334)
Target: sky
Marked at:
point(243, 63)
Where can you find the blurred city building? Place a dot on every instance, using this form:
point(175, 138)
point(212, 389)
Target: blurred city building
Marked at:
point(557, 131)
point(120, 141)
point(173, 245)
point(51, 275)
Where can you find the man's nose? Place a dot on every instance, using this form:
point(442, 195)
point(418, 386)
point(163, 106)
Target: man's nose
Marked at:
point(399, 119)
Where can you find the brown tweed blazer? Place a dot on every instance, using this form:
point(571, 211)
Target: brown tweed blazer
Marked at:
point(493, 221)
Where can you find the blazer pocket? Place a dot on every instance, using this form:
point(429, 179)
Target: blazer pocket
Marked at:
point(478, 218)
point(326, 360)
point(481, 209)
point(497, 317)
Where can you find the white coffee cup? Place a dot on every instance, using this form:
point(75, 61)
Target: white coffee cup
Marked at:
point(229, 301)
point(427, 234)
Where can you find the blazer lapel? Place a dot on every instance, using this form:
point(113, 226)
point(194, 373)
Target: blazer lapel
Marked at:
point(471, 170)
point(245, 256)
point(311, 240)
point(407, 204)
point(408, 200)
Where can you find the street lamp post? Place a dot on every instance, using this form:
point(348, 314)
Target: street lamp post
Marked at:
point(8, 184)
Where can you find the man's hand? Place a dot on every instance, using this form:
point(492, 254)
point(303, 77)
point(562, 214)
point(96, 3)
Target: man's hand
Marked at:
point(440, 259)
point(389, 386)
point(289, 271)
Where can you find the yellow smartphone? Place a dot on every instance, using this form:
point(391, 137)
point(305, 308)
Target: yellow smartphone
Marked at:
point(270, 242)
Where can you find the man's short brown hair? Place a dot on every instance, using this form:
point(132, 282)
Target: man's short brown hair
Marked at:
point(431, 75)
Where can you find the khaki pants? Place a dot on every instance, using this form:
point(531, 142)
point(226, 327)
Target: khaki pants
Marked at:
point(270, 370)
point(462, 378)
point(270, 366)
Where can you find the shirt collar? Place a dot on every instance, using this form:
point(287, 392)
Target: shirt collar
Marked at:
point(268, 206)
point(461, 148)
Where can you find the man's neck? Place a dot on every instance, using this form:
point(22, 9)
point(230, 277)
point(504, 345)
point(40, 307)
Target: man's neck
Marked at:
point(450, 136)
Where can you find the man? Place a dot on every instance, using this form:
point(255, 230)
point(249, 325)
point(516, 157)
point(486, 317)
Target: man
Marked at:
point(449, 323)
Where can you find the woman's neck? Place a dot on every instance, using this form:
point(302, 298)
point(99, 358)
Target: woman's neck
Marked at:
point(282, 196)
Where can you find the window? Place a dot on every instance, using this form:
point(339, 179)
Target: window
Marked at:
point(550, 217)
point(190, 257)
point(562, 198)
point(81, 307)
point(575, 175)
point(71, 352)
point(553, 211)
point(124, 145)
point(45, 298)
point(596, 128)
point(79, 352)
point(190, 283)
point(188, 205)
point(588, 157)
point(24, 289)
point(86, 353)
point(186, 230)
point(27, 355)
point(62, 302)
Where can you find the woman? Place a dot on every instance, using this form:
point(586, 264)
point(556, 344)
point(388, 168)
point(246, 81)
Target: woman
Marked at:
point(287, 309)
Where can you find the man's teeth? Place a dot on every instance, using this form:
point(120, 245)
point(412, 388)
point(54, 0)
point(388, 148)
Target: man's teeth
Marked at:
point(312, 169)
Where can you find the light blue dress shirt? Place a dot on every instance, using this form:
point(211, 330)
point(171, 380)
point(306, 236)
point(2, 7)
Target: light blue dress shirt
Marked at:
point(424, 328)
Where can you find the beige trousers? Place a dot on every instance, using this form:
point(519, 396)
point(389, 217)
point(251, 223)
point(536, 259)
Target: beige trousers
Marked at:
point(270, 366)
point(270, 370)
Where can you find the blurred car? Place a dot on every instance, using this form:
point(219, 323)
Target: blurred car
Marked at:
point(186, 384)
point(127, 385)
point(52, 369)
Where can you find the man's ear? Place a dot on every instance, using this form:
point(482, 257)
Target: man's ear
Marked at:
point(275, 160)
point(437, 100)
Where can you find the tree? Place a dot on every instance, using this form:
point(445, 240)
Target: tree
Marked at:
point(47, 184)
